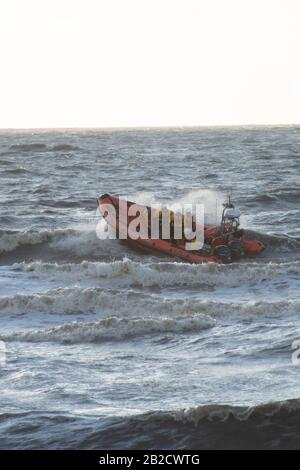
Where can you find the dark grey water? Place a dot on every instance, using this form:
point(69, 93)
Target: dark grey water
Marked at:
point(107, 347)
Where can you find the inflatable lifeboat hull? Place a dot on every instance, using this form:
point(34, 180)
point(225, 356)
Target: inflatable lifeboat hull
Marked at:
point(163, 246)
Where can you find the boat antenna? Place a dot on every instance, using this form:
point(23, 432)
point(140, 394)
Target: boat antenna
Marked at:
point(230, 197)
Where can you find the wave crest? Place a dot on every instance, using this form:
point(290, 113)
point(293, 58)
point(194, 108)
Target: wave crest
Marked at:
point(126, 272)
point(113, 328)
point(77, 300)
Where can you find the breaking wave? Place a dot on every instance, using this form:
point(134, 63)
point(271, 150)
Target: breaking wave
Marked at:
point(113, 328)
point(12, 239)
point(75, 242)
point(75, 300)
point(267, 426)
point(166, 274)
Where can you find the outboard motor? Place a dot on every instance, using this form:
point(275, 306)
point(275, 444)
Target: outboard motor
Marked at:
point(223, 252)
point(236, 248)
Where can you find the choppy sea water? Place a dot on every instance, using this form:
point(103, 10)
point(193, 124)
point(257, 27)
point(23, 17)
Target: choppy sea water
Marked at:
point(107, 347)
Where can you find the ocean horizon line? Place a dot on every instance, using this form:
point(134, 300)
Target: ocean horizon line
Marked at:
point(164, 127)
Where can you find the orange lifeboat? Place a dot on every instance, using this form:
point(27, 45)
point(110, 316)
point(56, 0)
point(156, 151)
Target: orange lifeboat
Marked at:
point(222, 244)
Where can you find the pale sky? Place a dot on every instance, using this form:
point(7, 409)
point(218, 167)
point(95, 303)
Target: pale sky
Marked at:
point(111, 63)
